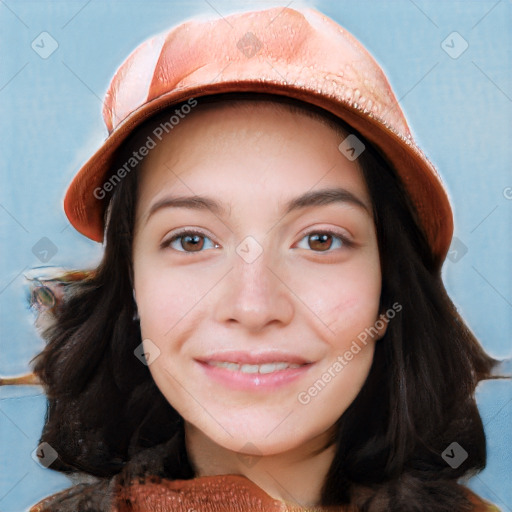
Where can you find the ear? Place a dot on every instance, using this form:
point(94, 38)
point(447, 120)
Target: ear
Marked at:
point(136, 316)
point(381, 324)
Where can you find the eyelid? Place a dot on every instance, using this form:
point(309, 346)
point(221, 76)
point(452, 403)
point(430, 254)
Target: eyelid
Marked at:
point(345, 237)
point(178, 232)
point(337, 232)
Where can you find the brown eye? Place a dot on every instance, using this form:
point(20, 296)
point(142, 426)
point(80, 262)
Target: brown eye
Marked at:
point(189, 241)
point(320, 242)
point(324, 241)
point(192, 242)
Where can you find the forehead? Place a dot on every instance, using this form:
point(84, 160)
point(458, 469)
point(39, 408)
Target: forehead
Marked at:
point(235, 148)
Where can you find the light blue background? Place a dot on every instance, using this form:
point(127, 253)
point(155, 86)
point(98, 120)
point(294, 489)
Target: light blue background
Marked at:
point(459, 110)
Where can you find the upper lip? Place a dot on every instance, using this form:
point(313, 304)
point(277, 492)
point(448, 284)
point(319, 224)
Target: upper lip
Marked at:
point(254, 357)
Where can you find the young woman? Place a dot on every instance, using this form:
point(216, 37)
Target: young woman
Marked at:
point(268, 328)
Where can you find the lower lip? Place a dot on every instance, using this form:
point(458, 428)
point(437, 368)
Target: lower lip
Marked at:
point(254, 381)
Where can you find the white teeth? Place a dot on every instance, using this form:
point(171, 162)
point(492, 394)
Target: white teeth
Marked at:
point(229, 366)
point(254, 368)
point(272, 367)
point(249, 368)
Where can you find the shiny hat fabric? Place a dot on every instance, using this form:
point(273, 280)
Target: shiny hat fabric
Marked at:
point(301, 54)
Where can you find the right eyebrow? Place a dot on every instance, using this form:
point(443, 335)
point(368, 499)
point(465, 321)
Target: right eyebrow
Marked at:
point(192, 202)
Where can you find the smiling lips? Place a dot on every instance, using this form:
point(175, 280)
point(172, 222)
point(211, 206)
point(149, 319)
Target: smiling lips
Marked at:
point(243, 370)
point(254, 368)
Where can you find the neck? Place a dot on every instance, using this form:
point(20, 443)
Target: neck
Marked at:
point(295, 477)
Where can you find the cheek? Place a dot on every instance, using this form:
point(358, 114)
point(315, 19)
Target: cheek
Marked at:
point(352, 315)
point(161, 305)
point(169, 299)
point(346, 301)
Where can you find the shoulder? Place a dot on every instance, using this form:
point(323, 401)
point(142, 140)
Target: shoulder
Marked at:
point(98, 496)
point(214, 494)
point(479, 504)
point(221, 493)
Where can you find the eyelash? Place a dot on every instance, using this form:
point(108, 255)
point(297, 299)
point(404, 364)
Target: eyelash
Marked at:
point(181, 234)
point(346, 243)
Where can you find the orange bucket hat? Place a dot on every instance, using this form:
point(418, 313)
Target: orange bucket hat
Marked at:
point(301, 54)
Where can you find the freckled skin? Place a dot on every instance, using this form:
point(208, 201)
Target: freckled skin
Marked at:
point(306, 302)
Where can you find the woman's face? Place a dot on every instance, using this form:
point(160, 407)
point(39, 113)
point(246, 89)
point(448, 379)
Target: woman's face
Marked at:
point(256, 272)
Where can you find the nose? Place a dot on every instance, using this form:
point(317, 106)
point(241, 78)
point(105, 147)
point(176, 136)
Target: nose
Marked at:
point(254, 296)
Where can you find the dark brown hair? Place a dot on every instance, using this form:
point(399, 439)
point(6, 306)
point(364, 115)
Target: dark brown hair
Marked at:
point(105, 414)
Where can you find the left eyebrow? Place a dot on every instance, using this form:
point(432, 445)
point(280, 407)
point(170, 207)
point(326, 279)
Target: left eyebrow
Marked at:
point(312, 198)
point(324, 197)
